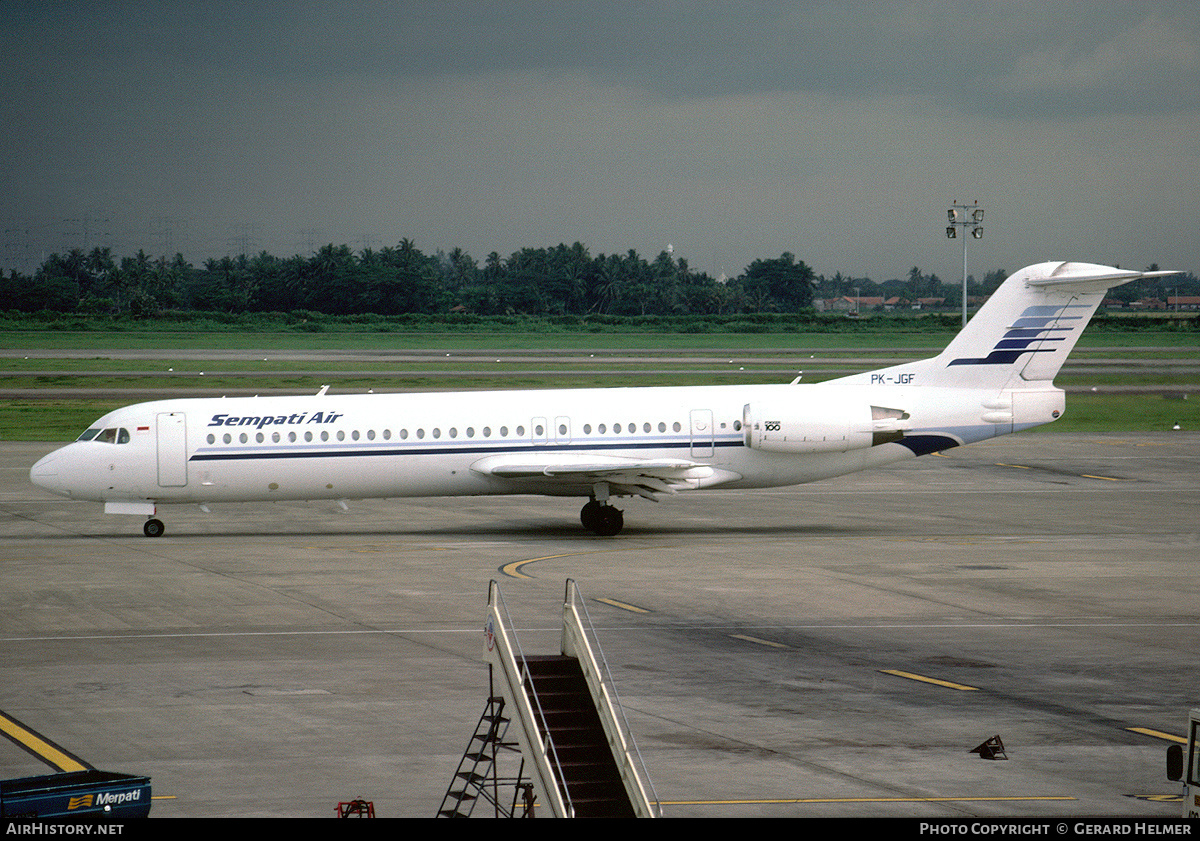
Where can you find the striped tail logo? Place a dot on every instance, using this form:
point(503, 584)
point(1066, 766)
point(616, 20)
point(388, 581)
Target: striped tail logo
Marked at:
point(1035, 325)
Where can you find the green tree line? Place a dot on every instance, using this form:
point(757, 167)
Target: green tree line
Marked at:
point(563, 280)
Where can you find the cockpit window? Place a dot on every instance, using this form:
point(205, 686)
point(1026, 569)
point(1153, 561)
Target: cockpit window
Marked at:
point(112, 435)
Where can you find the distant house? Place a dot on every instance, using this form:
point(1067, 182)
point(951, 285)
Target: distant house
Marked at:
point(863, 303)
point(849, 303)
point(1183, 302)
point(1147, 304)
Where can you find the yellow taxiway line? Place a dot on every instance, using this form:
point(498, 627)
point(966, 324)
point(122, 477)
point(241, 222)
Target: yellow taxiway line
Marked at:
point(39, 745)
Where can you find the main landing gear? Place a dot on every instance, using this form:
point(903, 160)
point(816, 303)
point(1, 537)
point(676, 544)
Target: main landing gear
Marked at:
point(601, 518)
point(153, 528)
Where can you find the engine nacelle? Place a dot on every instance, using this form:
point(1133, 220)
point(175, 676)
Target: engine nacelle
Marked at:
point(825, 425)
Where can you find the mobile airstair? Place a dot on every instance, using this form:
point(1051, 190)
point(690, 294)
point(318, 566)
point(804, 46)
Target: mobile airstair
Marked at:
point(561, 712)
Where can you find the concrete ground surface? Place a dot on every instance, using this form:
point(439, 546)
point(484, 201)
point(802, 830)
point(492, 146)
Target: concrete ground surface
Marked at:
point(774, 649)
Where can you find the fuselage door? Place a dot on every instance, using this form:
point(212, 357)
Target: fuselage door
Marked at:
point(562, 430)
point(702, 433)
point(172, 449)
point(539, 434)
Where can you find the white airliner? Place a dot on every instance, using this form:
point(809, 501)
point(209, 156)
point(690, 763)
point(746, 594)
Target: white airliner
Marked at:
point(994, 378)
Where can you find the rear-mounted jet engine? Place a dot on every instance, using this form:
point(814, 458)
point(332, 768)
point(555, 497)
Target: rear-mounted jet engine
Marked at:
point(787, 426)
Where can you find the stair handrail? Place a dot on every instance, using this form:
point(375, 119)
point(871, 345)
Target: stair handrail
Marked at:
point(573, 601)
point(545, 749)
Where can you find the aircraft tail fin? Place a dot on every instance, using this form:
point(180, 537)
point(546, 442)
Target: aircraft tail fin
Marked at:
point(1028, 327)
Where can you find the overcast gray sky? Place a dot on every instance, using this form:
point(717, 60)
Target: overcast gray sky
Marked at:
point(839, 132)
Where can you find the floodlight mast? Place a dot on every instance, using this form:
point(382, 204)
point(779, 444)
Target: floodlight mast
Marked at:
point(959, 219)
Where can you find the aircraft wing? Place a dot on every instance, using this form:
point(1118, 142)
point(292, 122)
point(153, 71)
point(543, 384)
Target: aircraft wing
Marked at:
point(624, 476)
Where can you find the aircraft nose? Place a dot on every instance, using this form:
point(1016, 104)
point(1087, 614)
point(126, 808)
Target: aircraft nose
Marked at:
point(44, 473)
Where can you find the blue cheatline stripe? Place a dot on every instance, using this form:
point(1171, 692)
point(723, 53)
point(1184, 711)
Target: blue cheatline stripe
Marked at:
point(418, 450)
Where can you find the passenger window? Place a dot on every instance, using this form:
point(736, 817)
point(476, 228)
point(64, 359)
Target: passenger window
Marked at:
point(244, 437)
point(212, 439)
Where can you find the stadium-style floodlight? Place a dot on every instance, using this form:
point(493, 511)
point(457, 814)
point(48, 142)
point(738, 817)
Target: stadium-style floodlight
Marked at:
point(960, 220)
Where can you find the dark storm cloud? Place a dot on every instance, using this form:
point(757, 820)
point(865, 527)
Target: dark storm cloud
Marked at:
point(1033, 59)
point(833, 130)
point(1009, 58)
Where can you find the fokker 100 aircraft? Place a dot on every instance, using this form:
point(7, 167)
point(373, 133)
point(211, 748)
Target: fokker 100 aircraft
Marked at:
point(995, 377)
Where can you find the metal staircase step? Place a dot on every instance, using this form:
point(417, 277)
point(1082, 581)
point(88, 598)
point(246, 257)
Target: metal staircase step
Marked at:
point(568, 712)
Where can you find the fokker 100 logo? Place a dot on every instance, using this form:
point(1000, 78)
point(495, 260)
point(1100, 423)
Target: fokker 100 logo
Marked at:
point(1035, 326)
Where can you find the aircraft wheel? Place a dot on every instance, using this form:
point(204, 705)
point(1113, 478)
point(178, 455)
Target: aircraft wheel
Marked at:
point(611, 521)
point(589, 515)
point(153, 528)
